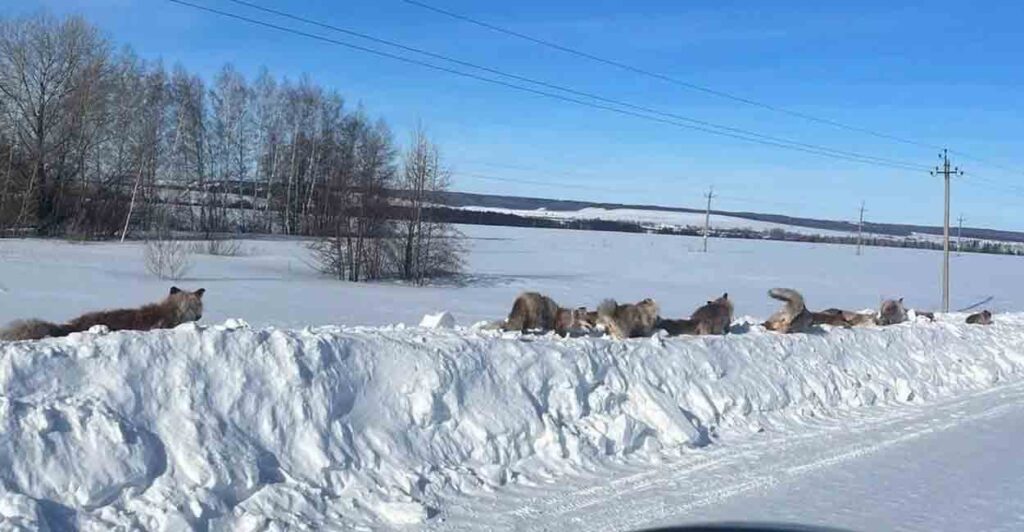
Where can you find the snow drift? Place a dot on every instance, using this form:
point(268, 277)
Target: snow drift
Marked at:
point(228, 427)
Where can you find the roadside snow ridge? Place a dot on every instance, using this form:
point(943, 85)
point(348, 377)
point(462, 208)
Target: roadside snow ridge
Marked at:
point(229, 427)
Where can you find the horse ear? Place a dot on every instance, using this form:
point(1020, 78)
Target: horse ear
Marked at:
point(725, 295)
point(175, 290)
point(200, 292)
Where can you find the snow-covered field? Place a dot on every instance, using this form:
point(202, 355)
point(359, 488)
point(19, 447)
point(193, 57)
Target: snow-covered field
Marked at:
point(656, 218)
point(331, 409)
point(275, 284)
point(670, 219)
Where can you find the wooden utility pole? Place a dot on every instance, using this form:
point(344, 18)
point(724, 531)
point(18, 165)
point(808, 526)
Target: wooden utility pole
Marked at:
point(945, 171)
point(707, 217)
point(860, 227)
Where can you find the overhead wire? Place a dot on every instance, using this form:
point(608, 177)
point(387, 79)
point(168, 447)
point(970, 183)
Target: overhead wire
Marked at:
point(632, 110)
point(664, 77)
point(607, 104)
point(698, 87)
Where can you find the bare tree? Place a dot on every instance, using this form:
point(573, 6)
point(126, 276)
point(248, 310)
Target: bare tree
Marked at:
point(267, 103)
point(430, 248)
point(152, 147)
point(189, 148)
point(100, 144)
point(50, 74)
point(7, 151)
point(359, 244)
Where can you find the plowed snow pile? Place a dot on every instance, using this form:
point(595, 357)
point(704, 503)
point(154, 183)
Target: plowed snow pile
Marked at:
point(232, 427)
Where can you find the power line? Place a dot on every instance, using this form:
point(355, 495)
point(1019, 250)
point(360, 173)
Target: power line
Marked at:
point(1005, 186)
point(669, 79)
point(568, 90)
point(588, 187)
point(1006, 168)
point(638, 111)
point(591, 188)
point(746, 136)
point(696, 87)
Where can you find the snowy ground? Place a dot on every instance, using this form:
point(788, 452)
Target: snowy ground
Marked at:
point(274, 283)
point(918, 472)
point(658, 218)
point(226, 426)
point(911, 468)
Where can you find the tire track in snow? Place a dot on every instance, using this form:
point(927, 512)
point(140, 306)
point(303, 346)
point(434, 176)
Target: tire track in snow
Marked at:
point(658, 492)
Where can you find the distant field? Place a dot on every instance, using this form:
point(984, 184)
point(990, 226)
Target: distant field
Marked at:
point(274, 283)
point(657, 218)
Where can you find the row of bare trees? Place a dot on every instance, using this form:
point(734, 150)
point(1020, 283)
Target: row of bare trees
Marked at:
point(97, 143)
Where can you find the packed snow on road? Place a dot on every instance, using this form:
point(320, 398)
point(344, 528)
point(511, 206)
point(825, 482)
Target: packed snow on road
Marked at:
point(299, 402)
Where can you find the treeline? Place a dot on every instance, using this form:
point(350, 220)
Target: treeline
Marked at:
point(98, 143)
point(909, 242)
point(478, 217)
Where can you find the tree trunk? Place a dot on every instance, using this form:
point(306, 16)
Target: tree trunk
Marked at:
point(7, 185)
point(131, 206)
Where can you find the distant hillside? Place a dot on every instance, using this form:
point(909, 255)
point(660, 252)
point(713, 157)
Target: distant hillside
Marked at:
point(466, 199)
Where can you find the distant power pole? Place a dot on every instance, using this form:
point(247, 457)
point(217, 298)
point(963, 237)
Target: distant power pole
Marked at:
point(945, 171)
point(959, 229)
point(860, 227)
point(707, 217)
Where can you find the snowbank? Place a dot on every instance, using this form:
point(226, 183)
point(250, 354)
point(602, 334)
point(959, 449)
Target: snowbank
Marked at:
point(232, 427)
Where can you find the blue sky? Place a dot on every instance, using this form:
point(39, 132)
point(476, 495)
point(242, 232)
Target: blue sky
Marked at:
point(941, 73)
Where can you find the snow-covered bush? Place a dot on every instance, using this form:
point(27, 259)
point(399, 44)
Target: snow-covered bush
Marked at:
point(167, 258)
point(330, 256)
point(219, 247)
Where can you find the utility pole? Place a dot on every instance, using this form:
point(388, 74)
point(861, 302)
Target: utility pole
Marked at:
point(945, 171)
point(707, 217)
point(959, 229)
point(860, 227)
